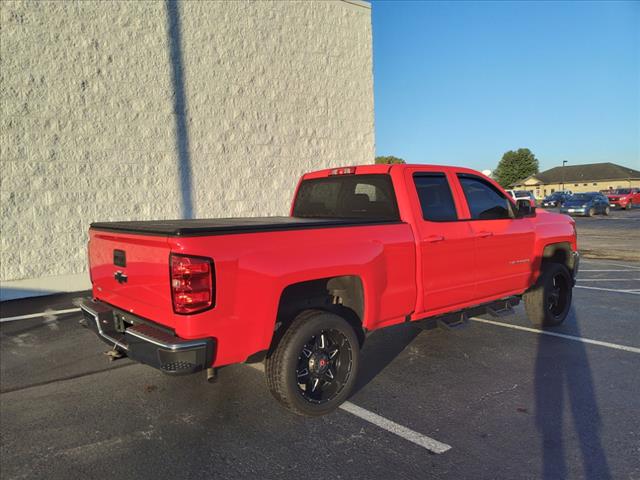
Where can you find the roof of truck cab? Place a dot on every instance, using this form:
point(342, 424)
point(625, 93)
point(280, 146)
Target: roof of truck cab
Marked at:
point(385, 168)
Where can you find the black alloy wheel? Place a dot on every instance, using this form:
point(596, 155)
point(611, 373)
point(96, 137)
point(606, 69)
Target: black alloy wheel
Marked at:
point(312, 369)
point(558, 294)
point(548, 302)
point(324, 366)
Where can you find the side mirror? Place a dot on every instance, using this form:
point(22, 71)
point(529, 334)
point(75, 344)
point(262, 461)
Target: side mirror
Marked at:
point(525, 209)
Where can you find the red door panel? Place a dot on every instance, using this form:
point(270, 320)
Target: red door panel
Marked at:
point(504, 255)
point(504, 244)
point(445, 244)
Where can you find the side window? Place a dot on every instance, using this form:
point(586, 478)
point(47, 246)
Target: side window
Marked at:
point(435, 197)
point(485, 201)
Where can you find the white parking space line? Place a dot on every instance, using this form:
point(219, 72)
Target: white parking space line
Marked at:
point(395, 428)
point(632, 267)
point(626, 270)
point(46, 313)
point(428, 443)
point(609, 279)
point(632, 292)
point(559, 335)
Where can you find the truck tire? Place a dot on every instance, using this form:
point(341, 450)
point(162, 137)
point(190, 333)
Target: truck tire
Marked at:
point(548, 302)
point(313, 368)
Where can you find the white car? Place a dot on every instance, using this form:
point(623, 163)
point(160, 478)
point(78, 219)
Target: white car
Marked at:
point(522, 195)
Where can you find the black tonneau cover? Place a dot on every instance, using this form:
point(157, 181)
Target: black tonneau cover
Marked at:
point(226, 226)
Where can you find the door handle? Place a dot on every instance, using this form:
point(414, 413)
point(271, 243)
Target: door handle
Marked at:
point(434, 238)
point(484, 234)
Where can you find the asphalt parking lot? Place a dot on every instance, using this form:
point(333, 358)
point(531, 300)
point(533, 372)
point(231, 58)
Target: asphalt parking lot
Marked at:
point(615, 236)
point(509, 402)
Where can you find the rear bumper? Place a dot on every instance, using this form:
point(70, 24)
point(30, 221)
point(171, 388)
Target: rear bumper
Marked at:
point(146, 343)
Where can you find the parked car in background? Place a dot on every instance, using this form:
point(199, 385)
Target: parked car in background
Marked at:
point(586, 204)
point(556, 199)
point(624, 198)
point(522, 195)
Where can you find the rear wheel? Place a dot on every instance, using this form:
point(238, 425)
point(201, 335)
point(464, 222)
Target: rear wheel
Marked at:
point(313, 368)
point(547, 303)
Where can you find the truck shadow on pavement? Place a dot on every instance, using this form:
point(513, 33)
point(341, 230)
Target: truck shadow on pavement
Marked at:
point(381, 348)
point(563, 373)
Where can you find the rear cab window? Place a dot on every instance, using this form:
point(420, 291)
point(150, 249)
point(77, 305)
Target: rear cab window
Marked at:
point(369, 196)
point(485, 201)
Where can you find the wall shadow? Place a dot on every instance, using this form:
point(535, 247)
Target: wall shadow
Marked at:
point(180, 107)
point(563, 373)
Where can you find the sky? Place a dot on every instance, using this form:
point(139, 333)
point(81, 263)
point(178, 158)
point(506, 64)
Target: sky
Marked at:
point(460, 83)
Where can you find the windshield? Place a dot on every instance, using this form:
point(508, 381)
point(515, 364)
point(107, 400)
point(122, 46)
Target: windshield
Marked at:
point(347, 196)
point(622, 191)
point(583, 196)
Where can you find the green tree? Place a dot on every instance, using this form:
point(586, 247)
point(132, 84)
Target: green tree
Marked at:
point(514, 166)
point(389, 160)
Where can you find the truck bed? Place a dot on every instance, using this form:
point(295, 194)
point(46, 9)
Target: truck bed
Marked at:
point(227, 226)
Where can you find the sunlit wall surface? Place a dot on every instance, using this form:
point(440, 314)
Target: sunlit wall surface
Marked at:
point(154, 110)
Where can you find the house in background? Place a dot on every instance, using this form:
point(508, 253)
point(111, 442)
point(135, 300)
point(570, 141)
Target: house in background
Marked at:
point(591, 177)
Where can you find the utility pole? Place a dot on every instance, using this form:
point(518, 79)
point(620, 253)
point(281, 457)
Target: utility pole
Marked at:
point(564, 162)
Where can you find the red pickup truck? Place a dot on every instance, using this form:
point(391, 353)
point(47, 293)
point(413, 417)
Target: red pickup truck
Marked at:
point(624, 197)
point(364, 248)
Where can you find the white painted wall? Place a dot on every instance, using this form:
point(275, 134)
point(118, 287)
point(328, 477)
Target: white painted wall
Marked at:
point(110, 112)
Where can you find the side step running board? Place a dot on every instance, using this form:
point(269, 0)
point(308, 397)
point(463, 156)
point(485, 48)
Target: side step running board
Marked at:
point(453, 321)
point(502, 311)
point(460, 319)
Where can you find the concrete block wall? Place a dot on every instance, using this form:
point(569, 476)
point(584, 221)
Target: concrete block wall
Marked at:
point(155, 110)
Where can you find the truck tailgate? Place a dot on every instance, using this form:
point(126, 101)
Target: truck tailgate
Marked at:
point(132, 272)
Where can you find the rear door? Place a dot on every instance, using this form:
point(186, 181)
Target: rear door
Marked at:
point(504, 244)
point(132, 272)
point(445, 243)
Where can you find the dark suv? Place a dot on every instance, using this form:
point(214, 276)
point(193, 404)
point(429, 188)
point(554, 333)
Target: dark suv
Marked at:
point(555, 199)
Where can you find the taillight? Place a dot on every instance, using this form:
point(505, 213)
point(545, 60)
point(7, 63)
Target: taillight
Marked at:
point(191, 283)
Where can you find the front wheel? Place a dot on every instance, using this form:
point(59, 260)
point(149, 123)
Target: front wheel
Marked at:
point(547, 303)
point(607, 210)
point(313, 368)
point(591, 212)
point(629, 206)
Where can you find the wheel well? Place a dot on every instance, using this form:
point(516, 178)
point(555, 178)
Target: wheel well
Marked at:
point(342, 295)
point(558, 253)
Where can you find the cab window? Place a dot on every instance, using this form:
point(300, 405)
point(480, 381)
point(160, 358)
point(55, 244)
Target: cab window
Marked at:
point(435, 197)
point(485, 201)
point(347, 196)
